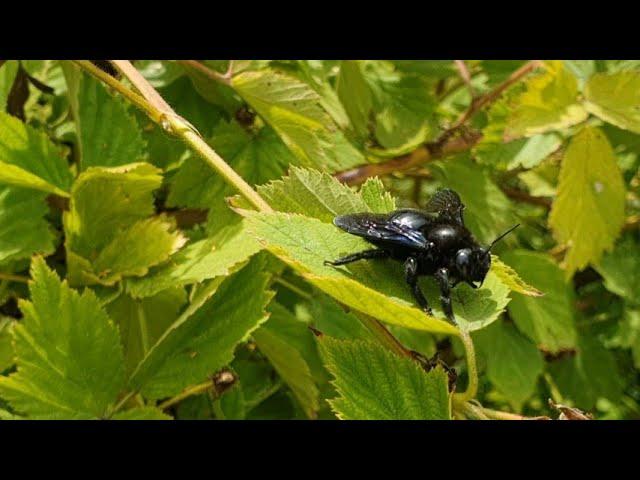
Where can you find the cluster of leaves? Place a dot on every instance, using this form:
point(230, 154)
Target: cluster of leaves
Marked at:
point(132, 276)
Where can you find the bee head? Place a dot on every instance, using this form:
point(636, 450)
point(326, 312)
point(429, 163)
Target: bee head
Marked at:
point(473, 264)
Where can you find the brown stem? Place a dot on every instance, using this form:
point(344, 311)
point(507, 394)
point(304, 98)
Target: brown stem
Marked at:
point(525, 197)
point(446, 144)
point(465, 75)
point(208, 72)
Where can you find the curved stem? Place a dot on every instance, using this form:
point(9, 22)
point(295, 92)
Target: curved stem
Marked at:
point(13, 278)
point(472, 369)
point(188, 392)
point(168, 120)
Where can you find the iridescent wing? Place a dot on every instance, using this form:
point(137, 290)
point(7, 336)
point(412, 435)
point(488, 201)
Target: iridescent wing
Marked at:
point(395, 229)
point(447, 204)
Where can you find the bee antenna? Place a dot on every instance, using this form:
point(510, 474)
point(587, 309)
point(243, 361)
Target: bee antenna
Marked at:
point(501, 237)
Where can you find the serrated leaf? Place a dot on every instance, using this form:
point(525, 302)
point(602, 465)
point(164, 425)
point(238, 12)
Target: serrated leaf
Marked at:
point(588, 212)
point(615, 98)
point(23, 228)
point(621, 269)
point(203, 338)
point(514, 364)
point(549, 103)
point(375, 384)
point(403, 109)
point(142, 322)
point(548, 320)
point(68, 351)
point(587, 376)
point(376, 288)
point(147, 243)
point(202, 260)
point(108, 135)
point(511, 279)
point(285, 340)
point(488, 211)
point(108, 215)
point(7, 354)
point(331, 319)
point(142, 413)
point(376, 197)
point(258, 158)
point(318, 195)
point(293, 110)
point(8, 71)
point(29, 159)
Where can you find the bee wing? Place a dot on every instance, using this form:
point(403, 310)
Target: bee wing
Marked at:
point(380, 229)
point(447, 204)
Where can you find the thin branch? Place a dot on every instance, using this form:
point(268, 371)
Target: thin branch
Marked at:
point(225, 78)
point(13, 278)
point(146, 90)
point(472, 369)
point(384, 336)
point(162, 114)
point(446, 144)
point(525, 197)
point(498, 415)
point(465, 75)
point(187, 392)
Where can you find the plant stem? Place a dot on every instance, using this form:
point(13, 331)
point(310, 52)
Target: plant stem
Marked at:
point(446, 144)
point(122, 402)
point(472, 369)
point(144, 331)
point(225, 79)
point(293, 288)
point(163, 115)
point(188, 392)
point(197, 144)
point(154, 114)
point(13, 278)
point(498, 415)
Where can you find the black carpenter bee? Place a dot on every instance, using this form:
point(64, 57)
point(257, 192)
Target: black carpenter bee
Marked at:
point(433, 242)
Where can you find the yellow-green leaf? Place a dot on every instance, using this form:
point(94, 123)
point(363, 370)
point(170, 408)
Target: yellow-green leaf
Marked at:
point(615, 98)
point(588, 212)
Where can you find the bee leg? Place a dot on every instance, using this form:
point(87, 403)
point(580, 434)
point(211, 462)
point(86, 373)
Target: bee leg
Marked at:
point(374, 253)
point(411, 276)
point(442, 277)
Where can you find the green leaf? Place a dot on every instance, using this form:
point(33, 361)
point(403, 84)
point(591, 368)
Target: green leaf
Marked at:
point(69, 358)
point(331, 319)
point(615, 98)
point(629, 334)
point(588, 212)
point(375, 384)
point(205, 259)
point(549, 320)
point(375, 288)
point(108, 215)
point(621, 269)
point(293, 110)
point(355, 94)
point(7, 354)
point(108, 135)
point(587, 376)
point(319, 195)
point(488, 211)
point(23, 228)
point(403, 109)
point(284, 340)
point(258, 158)
point(142, 413)
point(203, 338)
point(147, 242)
point(513, 361)
point(142, 322)
point(511, 279)
point(29, 159)
point(8, 71)
point(550, 102)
